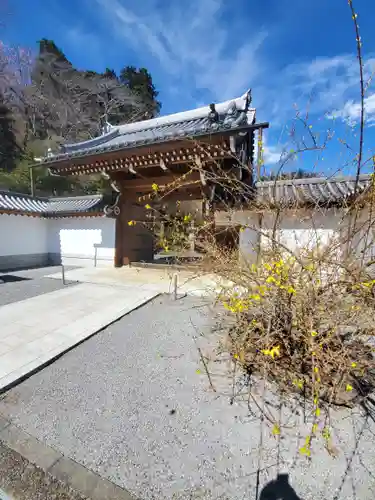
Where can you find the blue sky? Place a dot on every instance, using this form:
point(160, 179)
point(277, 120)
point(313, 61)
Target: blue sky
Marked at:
point(291, 53)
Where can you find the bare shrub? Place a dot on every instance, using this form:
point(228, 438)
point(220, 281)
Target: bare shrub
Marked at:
point(298, 315)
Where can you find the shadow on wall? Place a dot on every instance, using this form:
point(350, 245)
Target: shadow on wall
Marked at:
point(279, 489)
point(89, 241)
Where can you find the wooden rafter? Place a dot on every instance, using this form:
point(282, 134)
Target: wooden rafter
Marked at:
point(110, 162)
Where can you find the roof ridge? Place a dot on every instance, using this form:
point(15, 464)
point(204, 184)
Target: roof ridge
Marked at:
point(313, 180)
point(181, 116)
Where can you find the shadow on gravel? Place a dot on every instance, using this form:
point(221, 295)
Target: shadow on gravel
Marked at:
point(12, 278)
point(279, 489)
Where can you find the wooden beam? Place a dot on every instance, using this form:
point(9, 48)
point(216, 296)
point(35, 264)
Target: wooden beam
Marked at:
point(145, 183)
point(260, 153)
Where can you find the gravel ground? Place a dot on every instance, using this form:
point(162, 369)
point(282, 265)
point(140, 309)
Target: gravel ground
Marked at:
point(20, 285)
point(129, 404)
point(22, 480)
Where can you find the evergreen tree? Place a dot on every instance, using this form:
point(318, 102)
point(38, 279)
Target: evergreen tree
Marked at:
point(140, 82)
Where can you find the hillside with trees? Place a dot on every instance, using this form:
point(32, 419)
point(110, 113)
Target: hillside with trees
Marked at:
point(45, 101)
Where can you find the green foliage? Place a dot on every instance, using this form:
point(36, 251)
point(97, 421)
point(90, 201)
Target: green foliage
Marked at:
point(140, 81)
point(17, 180)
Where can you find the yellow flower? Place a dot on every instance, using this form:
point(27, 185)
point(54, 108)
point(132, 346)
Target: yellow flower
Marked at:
point(317, 412)
point(316, 369)
point(305, 451)
point(270, 279)
point(298, 383)
point(314, 428)
point(275, 351)
point(348, 388)
point(148, 207)
point(198, 372)
point(325, 433)
point(235, 356)
point(291, 290)
point(314, 333)
point(276, 430)
point(155, 187)
point(187, 218)
point(255, 297)
point(354, 364)
point(131, 223)
point(242, 229)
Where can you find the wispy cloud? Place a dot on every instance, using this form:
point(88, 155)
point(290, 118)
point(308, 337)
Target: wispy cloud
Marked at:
point(197, 50)
point(321, 86)
point(351, 111)
point(191, 43)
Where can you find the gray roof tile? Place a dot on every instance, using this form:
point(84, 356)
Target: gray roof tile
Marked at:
point(23, 203)
point(318, 191)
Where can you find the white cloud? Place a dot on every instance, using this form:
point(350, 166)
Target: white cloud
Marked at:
point(199, 48)
point(351, 111)
point(272, 154)
point(191, 43)
point(205, 56)
point(322, 85)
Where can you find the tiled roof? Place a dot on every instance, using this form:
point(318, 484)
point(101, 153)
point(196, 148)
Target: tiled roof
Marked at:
point(77, 204)
point(317, 191)
point(231, 115)
point(23, 203)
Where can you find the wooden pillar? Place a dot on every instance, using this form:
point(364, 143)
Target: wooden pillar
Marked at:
point(119, 229)
point(118, 242)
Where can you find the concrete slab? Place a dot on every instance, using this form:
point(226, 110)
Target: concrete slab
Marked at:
point(36, 330)
point(161, 280)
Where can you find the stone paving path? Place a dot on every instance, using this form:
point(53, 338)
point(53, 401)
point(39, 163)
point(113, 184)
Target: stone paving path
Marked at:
point(36, 330)
point(161, 280)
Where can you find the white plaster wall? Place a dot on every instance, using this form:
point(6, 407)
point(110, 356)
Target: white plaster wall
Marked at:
point(296, 229)
point(86, 241)
point(249, 235)
point(301, 230)
point(22, 235)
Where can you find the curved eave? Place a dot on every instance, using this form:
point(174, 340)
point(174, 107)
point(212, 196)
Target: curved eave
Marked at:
point(76, 158)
